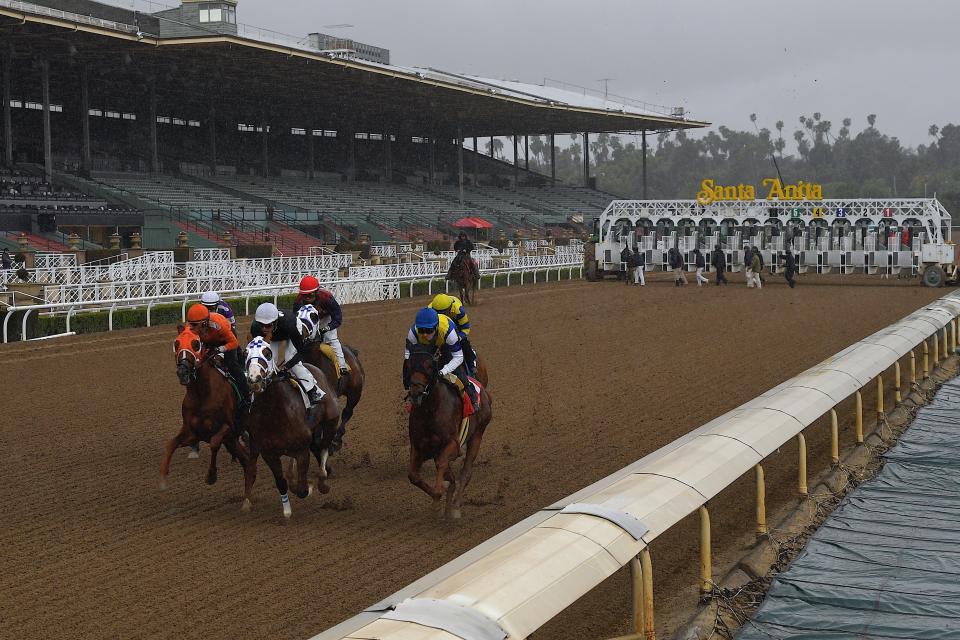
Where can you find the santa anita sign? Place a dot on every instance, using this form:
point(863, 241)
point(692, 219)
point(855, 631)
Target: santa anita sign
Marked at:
point(712, 192)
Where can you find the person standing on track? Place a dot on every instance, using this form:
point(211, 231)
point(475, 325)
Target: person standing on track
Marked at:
point(719, 262)
point(758, 275)
point(701, 265)
point(625, 260)
point(675, 261)
point(789, 268)
point(639, 261)
point(331, 316)
point(755, 266)
point(748, 265)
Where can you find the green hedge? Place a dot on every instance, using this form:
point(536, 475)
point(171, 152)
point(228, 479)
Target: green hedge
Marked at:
point(131, 318)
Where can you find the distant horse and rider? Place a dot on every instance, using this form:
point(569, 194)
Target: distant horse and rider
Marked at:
point(464, 271)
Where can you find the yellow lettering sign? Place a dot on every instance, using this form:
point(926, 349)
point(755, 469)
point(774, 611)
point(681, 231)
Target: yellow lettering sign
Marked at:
point(711, 192)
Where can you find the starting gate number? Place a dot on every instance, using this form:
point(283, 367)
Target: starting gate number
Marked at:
point(818, 212)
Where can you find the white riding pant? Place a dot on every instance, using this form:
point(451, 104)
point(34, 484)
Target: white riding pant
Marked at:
point(300, 372)
point(330, 338)
point(638, 276)
point(700, 277)
point(756, 280)
point(749, 274)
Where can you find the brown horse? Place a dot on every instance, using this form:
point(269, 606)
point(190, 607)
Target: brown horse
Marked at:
point(208, 408)
point(280, 425)
point(464, 274)
point(435, 418)
point(350, 387)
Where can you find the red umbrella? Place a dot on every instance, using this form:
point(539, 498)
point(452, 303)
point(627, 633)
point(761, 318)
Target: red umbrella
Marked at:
point(472, 223)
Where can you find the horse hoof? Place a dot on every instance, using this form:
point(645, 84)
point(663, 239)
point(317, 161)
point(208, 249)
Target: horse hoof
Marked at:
point(211, 478)
point(163, 485)
point(246, 506)
point(324, 488)
point(287, 512)
point(310, 489)
point(455, 514)
point(193, 455)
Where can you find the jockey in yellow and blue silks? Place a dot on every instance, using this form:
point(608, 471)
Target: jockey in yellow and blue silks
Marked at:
point(451, 307)
point(439, 331)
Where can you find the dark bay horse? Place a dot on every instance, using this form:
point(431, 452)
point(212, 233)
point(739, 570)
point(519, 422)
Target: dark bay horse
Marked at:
point(435, 419)
point(208, 408)
point(464, 274)
point(279, 425)
point(350, 387)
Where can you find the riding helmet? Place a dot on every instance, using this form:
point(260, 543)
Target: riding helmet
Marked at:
point(198, 313)
point(267, 313)
point(309, 284)
point(442, 302)
point(427, 318)
point(209, 298)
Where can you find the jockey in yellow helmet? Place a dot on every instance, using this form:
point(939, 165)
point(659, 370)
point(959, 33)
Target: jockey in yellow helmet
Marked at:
point(451, 307)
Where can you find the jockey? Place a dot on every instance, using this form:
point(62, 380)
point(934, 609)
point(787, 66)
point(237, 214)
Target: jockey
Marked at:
point(451, 307)
point(464, 247)
point(215, 304)
point(331, 316)
point(274, 326)
point(214, 332)
point(439, 331)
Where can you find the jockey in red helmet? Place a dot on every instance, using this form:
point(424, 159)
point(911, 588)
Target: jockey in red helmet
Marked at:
point(330, 315)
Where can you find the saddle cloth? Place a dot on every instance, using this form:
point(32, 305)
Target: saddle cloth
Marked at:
point(328, 353)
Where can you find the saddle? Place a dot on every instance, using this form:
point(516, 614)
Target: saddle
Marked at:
point(327, 351)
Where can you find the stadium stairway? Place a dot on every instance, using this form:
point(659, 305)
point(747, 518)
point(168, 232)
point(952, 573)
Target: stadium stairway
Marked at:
point(36, 242)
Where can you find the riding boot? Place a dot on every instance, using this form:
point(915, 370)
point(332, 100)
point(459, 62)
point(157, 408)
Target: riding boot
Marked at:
point(468, 387)
point(315, 395)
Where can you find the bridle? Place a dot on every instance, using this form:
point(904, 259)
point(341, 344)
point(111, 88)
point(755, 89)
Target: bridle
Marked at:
point(418, 356)
point(260, 355)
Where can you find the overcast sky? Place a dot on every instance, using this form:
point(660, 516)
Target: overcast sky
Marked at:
point(721, 61)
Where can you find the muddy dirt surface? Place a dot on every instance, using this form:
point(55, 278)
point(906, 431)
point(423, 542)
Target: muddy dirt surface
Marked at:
point(585, 378)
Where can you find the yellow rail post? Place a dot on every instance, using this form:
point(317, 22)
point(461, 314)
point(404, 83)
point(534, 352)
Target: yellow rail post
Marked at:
point(879, 397)
point(649, 630)
point(834, 438)
point(946, 345)
point(936, 350)
point(859, 418)
point(706, 565)
point(913, 368)
point(761, 503)
point(802, 467)
point(636, 578)
point(953, 334)
point(926, 360)
point(896, 381)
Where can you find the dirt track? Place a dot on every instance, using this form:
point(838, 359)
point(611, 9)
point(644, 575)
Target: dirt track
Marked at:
point(585, 378)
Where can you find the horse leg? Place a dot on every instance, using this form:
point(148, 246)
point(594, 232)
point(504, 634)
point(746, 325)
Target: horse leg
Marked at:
point(448, 454)
point(303, 488)
point(413, 474)
point(215, 443)
point(276, 467)
point(451, 479)
point(321, 454)
point(466, 472)
point(180, 440)
point(249, 477)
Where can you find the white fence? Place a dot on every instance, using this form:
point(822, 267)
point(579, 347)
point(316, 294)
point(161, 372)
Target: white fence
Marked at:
point(399, 270)
point(512, 584)
point(55, 260)
point(211, 254)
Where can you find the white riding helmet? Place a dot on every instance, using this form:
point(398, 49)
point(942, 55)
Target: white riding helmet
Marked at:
point(209, 298)
point(267, 313)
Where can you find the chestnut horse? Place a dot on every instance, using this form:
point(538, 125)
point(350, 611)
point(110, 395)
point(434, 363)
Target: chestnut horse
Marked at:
point(350, 387)
point(465, 275)
point(208, 408)
point(280, 425)
point(435, 418)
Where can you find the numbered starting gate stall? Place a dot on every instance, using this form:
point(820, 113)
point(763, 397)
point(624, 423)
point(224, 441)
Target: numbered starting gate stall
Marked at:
point(877, 237)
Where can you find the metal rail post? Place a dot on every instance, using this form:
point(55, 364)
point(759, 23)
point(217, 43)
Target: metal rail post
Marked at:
point(6, 320)
point(953, 333)
point(23, 329)
point(913, 368)
point(880, 397)
point(896, 381)
point(802, 466)
point(936, 349)
point(706, 565)
point(859, 418)
point(149, 306)
point(946, 345)
point(926, 360)
point(69, 315)
point(834, 438)
point(636, 580)
point(646, 565)
point(761, 503)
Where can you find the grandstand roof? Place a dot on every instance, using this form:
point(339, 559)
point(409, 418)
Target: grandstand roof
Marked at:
point(257, 76)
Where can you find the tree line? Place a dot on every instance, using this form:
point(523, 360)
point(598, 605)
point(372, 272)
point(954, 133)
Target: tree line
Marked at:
point(863, 164)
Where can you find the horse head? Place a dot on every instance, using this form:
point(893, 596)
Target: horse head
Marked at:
point(423, 372)
point(260, 364)
point(186, 349)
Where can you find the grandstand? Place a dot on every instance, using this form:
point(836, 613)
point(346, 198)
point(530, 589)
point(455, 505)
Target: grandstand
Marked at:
point(186, 120)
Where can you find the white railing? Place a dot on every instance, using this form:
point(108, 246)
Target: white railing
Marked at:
point(542, 261)
point(92, 298)
point(153, 265)
point(211, 254)
point(29, 7)
point(45, 260)
point(512, 584)
point(384, 250)
point(399, 270)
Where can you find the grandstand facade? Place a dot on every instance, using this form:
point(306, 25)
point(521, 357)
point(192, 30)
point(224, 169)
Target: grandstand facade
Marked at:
point(187, 121)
